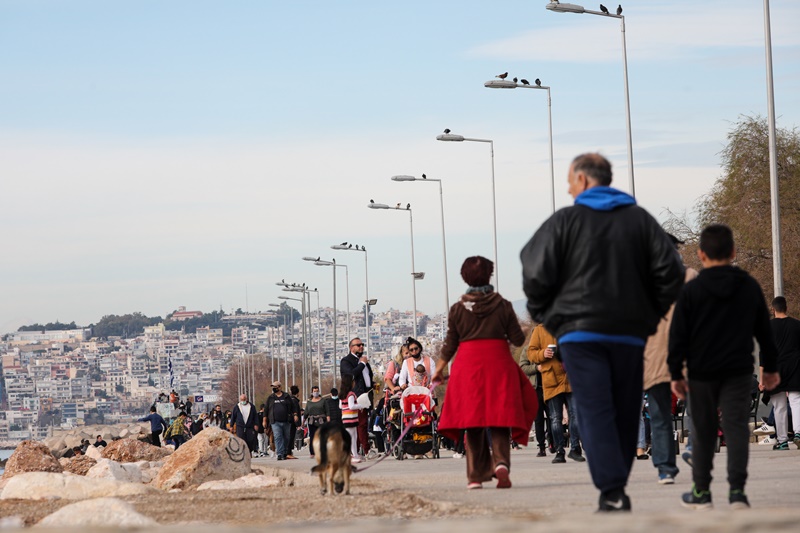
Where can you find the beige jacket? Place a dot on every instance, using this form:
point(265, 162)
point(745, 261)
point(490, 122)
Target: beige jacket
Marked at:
point(554, 377)
point(655, 351)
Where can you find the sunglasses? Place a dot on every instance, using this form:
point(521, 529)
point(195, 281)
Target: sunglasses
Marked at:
point(413, 349)
point(356, 345)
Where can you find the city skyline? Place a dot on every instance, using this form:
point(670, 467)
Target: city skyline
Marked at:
point(155, 155)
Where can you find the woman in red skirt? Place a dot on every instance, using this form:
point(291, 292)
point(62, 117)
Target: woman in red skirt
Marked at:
point(487, 392)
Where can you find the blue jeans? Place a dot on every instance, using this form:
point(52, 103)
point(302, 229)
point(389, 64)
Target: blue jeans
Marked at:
point(281, 431)
point(555, 407)
point(661, 435)
point(606, 379)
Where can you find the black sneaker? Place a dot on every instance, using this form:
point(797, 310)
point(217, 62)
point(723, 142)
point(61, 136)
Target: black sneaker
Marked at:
point(738, 499)
point(613, 502)
point(576, 456)
point(697, 499)
point(559, 458)
point(541, 453)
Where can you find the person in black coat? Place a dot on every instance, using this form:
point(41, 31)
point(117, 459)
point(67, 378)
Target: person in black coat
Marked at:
point(245, 419)
point(356, 364)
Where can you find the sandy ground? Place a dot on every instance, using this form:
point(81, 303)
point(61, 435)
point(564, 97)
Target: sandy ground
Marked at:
point(263, 506)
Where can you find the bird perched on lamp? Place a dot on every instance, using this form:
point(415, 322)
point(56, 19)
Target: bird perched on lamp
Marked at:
point(604, 9)
point(538, 82)
point(447, 130)
point(619, 9)
point(502, 76)
point(523, 81)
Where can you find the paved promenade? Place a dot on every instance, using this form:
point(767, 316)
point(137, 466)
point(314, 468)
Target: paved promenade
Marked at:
point(563, 494)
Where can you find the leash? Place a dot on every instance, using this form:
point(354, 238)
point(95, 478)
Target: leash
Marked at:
point(414, 416)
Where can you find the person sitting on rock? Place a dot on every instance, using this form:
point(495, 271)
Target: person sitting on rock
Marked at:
point(100, 442)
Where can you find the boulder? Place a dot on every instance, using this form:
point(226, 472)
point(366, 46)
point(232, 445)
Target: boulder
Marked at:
point(250, 481)
point(108, 469)
point(212, 454)
point(94, 452)
point(31, 456)
point(72, 440)
point(50, 485)
point(101, 512)
point(77, 465)
point(132, 450)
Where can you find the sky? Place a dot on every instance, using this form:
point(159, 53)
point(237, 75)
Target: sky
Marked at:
point(189, 153)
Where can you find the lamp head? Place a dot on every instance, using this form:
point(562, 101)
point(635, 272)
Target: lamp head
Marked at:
point(324, 263)
point(450, 137)
point(558, 7)
point(378, 206)
point(500, 84)
point(403, 178)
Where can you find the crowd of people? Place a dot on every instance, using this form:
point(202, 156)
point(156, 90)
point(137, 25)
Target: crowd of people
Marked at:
point(621, 325)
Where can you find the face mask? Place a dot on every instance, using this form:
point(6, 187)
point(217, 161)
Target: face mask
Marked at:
point(274, 389)
point(334, 397)
point(315, 394)
point(244, 402)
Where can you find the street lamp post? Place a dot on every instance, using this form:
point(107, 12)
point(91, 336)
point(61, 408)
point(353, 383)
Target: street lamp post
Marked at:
point(414, 273)
point(444, 244)
point(559, 7)
point(505, 84)
point(777, 260)
point(284, 351)
point(460, 138)
point(302, 324)
point(345, 246)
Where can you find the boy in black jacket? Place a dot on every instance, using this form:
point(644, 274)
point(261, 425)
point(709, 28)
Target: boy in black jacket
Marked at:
point(716, 317)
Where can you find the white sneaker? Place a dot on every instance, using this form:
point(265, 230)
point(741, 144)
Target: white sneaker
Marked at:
point(767, 441)
point(765, 429)
point(458, 455)
point(355, 459)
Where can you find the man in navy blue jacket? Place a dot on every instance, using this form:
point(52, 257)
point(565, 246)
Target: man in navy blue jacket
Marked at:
point(157, 426)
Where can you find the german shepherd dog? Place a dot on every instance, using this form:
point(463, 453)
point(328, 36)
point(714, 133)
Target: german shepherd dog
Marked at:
point(332, 447)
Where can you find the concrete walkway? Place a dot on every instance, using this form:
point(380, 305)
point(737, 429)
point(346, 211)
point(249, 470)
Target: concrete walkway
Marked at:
point(562, 495)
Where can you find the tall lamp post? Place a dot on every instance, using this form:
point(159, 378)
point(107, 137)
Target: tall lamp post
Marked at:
point(559, 7)
point(345, 246)
point(303, 303)
point(306, 323)
point(444, 244)
point(283, 315)
point(506, 84)
point(777, 260)
point(451, 137)
point(414, 274)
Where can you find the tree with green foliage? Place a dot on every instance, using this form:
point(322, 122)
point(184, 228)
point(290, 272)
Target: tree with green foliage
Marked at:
point(50, 326)
point(740, 198)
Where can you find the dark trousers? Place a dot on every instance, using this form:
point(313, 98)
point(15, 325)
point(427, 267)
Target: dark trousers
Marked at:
point(661, 436)
point(555, 408)
point(248, 435)
point(483, 457)
point(732, 397)
point(292, 436)
point(538, 424)
point(155, 438)
point(363, 431)
point(606, 380)
point(312, 429)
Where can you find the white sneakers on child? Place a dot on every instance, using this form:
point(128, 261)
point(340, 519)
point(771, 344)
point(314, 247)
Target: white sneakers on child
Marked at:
point(765, 429)
point(767, 441)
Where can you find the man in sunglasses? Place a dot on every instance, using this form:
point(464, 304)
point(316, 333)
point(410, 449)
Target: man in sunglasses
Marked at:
point(356, 364)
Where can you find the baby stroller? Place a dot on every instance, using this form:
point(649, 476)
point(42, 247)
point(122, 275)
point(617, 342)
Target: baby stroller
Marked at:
point(417, 416)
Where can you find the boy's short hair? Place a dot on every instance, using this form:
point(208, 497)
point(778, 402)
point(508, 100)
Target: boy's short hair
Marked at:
point(334, 391)
point(716, 241)
point(779, 304)
point(420, 368)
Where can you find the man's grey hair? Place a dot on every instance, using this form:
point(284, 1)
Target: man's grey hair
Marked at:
point(597, 167)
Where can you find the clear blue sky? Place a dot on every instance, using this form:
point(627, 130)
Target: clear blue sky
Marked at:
point(156, 154)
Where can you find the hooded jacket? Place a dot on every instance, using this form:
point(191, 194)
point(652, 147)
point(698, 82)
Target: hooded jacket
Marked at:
point(603, 266)
point(716, 317)
point(554, 376)
point(481, 315)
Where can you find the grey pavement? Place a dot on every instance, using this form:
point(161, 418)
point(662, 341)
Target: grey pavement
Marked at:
point(558, 492)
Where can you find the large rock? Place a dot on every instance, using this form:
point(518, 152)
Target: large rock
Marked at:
point(31, 456)
point(101, 512)
point(77, 465)
point(108, 469)
point(132, 450)
point(210, 455)
point(49, 485)
point(94, 452)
